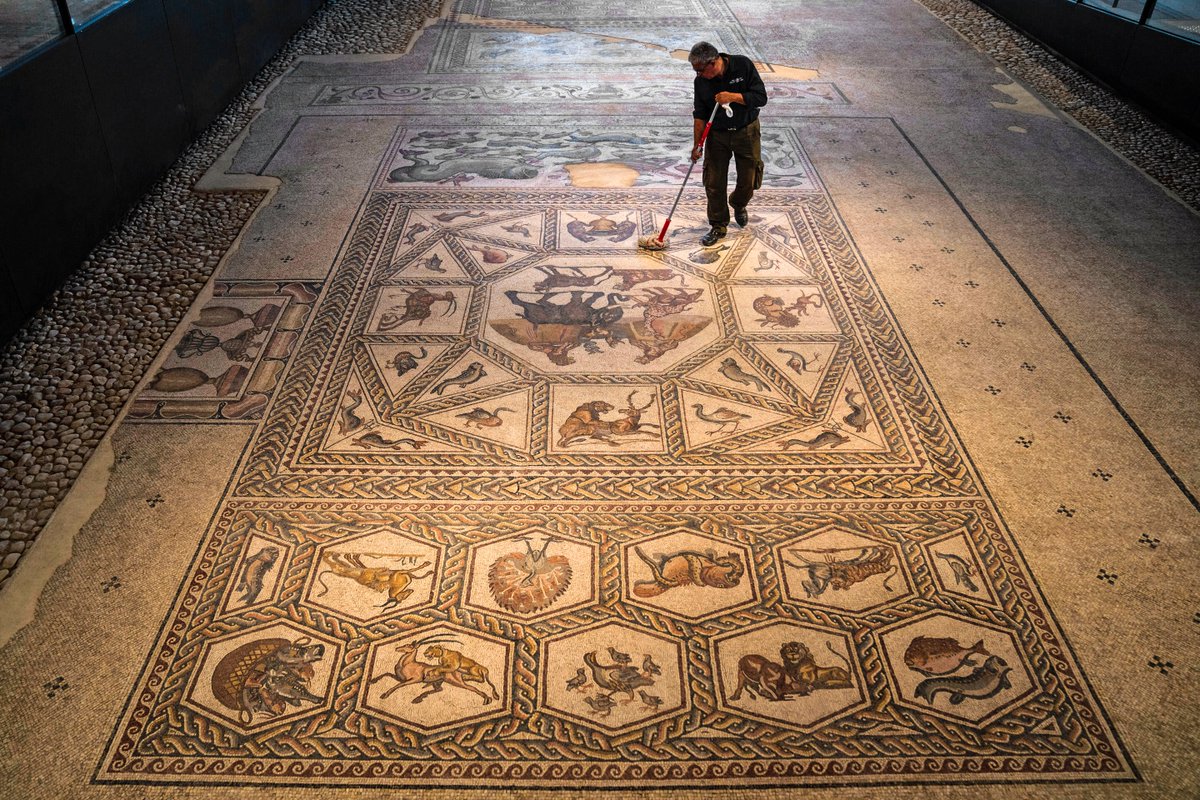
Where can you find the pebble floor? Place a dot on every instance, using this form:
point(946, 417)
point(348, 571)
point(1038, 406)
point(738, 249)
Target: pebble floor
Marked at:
point(67, 373)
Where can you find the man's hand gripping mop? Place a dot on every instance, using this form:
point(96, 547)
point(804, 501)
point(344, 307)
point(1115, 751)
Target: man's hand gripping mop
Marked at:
point(659, 242)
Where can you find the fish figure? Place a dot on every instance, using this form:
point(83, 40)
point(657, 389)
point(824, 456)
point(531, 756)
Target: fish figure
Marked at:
point(732, 370)
point(963, 571)
point(822, 439)
point(348, 418)
point(858, 418)
point(450, 216)
point(987, 680)
point(940, 656)
point(709, 256)
point(782, 233)
point(417, 229)
point(254, 572)
point(374, 439)
point(472, 374)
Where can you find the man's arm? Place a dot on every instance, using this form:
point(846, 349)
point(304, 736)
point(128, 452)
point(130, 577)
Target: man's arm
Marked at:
point(754, 95)
point(697, 132)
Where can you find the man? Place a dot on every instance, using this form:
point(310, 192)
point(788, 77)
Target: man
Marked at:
point(732, 82)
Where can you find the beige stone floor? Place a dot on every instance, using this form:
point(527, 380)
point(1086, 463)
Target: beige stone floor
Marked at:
point(1060, 342)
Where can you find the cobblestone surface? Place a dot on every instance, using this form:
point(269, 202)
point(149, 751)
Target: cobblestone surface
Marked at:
point(65, 376)
point(70, 369)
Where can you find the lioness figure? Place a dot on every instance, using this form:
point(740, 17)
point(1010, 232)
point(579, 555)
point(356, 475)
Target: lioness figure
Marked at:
point(798, 675)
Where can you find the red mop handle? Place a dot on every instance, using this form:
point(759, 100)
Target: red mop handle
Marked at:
point(703, 136)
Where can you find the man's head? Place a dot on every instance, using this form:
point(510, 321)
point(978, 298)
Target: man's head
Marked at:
point(705, 60)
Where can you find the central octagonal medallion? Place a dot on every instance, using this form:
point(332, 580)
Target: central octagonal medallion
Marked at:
point(591, 315)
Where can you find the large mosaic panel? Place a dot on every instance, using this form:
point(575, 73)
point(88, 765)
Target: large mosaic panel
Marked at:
point(531, 505)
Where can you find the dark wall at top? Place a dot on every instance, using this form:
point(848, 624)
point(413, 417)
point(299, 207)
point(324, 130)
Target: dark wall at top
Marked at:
point(92, 121)
point(1155, 69)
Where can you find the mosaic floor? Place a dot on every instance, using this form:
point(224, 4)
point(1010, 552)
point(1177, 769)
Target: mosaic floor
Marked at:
point(694, 510)
point(449, 484)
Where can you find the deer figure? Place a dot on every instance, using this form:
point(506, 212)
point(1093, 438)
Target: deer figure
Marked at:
point(586, 423)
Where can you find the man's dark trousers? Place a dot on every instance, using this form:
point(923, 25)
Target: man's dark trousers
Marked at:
point(745, 147)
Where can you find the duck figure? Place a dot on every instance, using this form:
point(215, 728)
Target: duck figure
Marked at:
point(616, 678)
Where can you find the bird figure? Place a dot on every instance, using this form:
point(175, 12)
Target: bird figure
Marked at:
point(579, 680)
point(765, 262)
point(601, 703)
point(796, 362)
point(722, 416)
point(471, 374)
point(406, 360)
point(482, 418)
point(649, 667)
point(535, 562)
point(732, 370)
point(616, 678)
point(651, 702)
point(433, 263)
point(618, 656)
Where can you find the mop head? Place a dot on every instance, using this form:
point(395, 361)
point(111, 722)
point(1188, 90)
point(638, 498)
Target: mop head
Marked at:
point(651, 243)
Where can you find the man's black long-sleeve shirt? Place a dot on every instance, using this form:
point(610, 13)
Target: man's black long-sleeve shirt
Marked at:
point(740, 76)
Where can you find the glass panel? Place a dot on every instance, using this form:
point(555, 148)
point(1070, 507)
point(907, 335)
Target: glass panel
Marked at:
point(84, 11)
point(1180, 17)
point(26, 25)
point(1131, 9)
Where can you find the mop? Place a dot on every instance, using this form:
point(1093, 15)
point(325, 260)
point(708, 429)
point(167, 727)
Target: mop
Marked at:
point(658, 243)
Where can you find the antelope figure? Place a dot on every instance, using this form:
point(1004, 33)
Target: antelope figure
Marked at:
point(452, 667)
point(395, 581)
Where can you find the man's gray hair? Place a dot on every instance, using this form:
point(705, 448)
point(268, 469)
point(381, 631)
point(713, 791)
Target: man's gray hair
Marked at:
point(702, 53)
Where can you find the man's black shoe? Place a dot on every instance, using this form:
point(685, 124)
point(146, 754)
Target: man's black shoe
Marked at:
point(741, 217)
point(712, 237)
